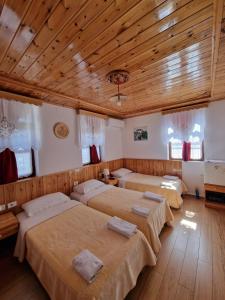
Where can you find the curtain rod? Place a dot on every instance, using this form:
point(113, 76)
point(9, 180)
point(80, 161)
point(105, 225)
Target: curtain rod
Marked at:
point(184, 108)
point(20, 98)
point(90, 113)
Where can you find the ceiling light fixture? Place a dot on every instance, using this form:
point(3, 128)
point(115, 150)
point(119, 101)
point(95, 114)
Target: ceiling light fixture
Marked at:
point(118, 77)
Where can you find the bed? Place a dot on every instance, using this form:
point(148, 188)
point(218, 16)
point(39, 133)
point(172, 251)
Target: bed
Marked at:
point(170, 189)
point(50, 239)
point(116, 201)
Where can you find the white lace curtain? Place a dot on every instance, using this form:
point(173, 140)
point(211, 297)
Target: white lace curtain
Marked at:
point(91, 130)
point(186, 126)
point(24, 119)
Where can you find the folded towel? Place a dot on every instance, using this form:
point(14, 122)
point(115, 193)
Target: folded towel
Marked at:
point(170, 177)
point(167, 184)
point(140, 210)
point(123, 227)
point(87, 265)
point(153, 196)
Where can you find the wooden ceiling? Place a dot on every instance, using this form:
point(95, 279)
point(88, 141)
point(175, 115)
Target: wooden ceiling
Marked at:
point(61, 50)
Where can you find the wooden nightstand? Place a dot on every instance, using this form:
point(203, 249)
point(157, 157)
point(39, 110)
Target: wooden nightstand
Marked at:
point(110, 181)
point(8, 225)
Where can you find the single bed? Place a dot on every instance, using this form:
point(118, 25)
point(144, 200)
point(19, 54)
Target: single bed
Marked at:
point(170, 189)
point(116, 201)
point(54, 236)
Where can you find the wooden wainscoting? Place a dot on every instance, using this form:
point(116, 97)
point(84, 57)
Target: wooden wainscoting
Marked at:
point(154, 167)
point(25, 190)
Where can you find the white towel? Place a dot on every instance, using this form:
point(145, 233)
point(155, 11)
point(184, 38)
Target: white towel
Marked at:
point(167, 184)
point(170, 177)
point(140, 210)
point(87, 265)
point(153, 196)
point(123, 227)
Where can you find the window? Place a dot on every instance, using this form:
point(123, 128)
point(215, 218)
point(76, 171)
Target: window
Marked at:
point(24, 164)
point(86, 157)
point(175, 150)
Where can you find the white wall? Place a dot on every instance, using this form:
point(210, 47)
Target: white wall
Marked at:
point(113, 143)
point(154, 148)
point(215, 131)
point(58, 155)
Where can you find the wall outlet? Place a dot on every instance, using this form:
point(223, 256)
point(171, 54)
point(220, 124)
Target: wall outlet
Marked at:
point(12, 204)
point(75, 183)
point(2, 207)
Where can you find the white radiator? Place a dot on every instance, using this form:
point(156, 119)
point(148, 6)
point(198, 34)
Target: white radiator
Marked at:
point(214, 172)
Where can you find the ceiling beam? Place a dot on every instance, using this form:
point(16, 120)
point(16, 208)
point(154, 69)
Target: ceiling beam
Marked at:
point(217, 21)
point(28, 90)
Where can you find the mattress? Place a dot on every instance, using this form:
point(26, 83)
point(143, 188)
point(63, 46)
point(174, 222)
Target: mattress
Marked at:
point(118, 202)
point(170, 189)
point(52, 244)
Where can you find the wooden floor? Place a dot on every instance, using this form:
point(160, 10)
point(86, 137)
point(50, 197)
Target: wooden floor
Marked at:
point(191, 263)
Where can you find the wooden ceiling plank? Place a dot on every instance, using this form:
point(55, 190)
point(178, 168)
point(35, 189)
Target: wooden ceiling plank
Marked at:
point(33, 21)
point(201, 48)
point(11, 17)
point(217, 20)
point(160, 72)
point(120, 17)
point(134, 18)
point(200, 69)
point(77, 26)
point(56, 22)
point(173, 24)
point(167, 47)
point(176, 43)
point(151, 35)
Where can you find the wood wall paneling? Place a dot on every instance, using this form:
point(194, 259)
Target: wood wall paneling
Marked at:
point(154, 167)
point(25, 190)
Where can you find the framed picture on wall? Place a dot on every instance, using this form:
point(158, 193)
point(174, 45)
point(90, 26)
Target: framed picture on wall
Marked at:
point(141, 134)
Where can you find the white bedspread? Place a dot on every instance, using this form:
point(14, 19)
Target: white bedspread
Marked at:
point(177, 185)
point(27, 223)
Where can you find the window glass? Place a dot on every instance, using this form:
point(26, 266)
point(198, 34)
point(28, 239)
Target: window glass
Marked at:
point(24, 164)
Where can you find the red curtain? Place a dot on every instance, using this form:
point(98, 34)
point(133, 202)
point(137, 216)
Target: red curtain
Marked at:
point(94, 155)
point(186, 151)
point(8, 167)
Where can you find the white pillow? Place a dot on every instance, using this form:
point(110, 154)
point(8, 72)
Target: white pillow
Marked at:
point(37, 205)
point(87, 186)
point(121, 172)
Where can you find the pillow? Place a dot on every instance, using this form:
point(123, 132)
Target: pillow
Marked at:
point(37, 205)
point(87, 186)
point(121, 172)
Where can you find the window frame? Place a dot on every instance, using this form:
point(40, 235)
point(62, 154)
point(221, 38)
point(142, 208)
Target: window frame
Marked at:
point(191, 159)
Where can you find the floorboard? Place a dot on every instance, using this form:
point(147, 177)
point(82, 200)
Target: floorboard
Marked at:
point(191, 263)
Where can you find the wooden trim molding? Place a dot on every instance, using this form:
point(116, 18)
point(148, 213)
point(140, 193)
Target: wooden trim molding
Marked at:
point(28, 189)
point(185, 108)
point(90, 113)
point(20, 98)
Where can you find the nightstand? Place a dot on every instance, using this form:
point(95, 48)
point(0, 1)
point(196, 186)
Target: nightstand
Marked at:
point(8, 225)
point(111, 181)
